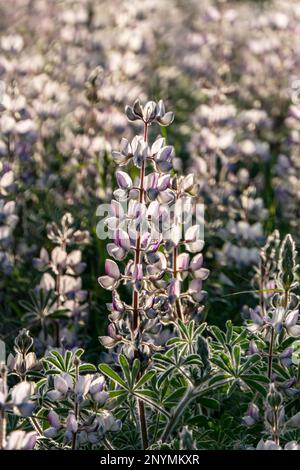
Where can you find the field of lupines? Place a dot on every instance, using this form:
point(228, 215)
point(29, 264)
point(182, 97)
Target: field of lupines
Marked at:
point(149, 224)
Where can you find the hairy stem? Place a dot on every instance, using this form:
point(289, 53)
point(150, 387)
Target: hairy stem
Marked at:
point(177, 413)
point(76, 409)
point(262, 285)
point(2, 429)
point(154, 405)
point(276, 432)
point(2, 412)
point(137, 257)
point(191, 394)
point(175, 272)
point(135, 300)
point(143, 423)
point(271, 346)
point(270, 355)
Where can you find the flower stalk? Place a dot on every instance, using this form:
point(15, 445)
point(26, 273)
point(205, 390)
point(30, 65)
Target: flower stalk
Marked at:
point(3, 390)
point(150, 230)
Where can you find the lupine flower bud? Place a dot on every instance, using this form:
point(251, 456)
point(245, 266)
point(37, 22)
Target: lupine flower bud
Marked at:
point(20, 440)
point(274, 398)
point(252, 415)
point(23, 342)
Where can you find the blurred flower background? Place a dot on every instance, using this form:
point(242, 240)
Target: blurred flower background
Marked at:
point(228, 69)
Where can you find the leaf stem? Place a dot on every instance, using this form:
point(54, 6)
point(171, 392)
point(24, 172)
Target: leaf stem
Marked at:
point(76, 408)
point(189, 396)
point(270, 355)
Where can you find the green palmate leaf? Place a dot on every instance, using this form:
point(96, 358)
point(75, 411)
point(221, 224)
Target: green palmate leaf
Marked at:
point(79, 352)
point(150, 397)
point(53, 372)
point(163, 390)
point(163, 359)
point(229, 331)
point(135, 370)
point(59, 358)
point(192, 360)
point(68, 360)
point(87, 368)
point(240, 338)
point(117, 393)
point(41, 383)
point(236, 353)
point(109, 372)
point(296, 352)
point(183, 328)
point(224, 363)
point(61, 313)
point(165, 376)
point(199, 330)
point(258, 377)
point(232, 388)
point(288, 342)
point(199, 421)
point(34, 374)
point(146, 393)
point(220, 378)
point(121, 414)
point(125, 369)
point(250, 363)
point(144, 379)
point(175, 341)
point(191, 328)
point(174, 397)
point(281, 371)
point(54, 362)
point(218, 334)
point(255, 385)
point(209, 403)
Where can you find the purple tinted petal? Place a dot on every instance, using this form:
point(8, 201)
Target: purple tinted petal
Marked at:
point(106, 282)
point(112, 269)
point(196, 262)
point(292, 318)
point(195, 286)
point(255, 317)
point(174, 290)
point(121, 239)
point(54, 420)
point(183, 261)
point(192, 234)
point(202, 274)
point(138, 272)
point(164, 182)
point(115, 251)
point(117, 209)
point(165, 153)
point(157, 145)
point(123, 179)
